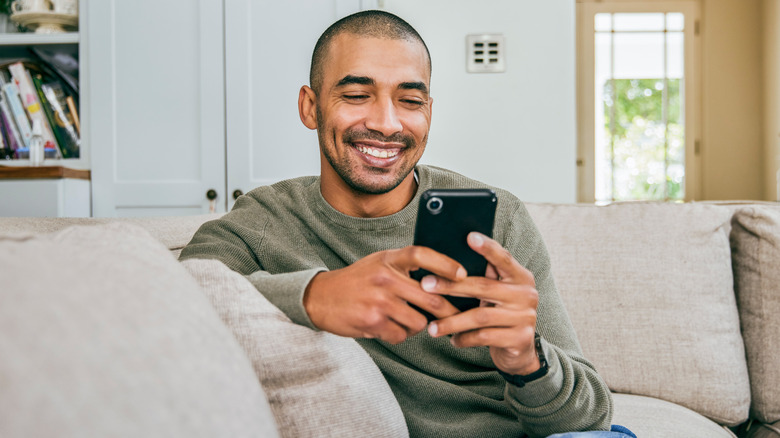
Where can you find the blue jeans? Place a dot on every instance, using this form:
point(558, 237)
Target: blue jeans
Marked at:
point(615, 432)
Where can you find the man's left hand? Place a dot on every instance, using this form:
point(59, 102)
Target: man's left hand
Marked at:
point(505, 321)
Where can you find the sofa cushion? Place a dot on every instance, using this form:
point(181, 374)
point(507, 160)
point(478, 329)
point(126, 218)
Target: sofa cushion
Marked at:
point(318, 384)
point(649, 290)
point(653, 418)
point(103, 333)
point(756, 255)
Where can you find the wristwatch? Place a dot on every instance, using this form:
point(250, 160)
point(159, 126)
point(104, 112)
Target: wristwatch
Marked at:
point(520, 381)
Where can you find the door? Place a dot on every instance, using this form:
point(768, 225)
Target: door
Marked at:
point(156, 93)
point(268, 47)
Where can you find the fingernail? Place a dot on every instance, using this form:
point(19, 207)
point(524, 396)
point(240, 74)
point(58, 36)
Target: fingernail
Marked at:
point(461, 273)
point(433, 329)
point(428, 283)
point(476, 239)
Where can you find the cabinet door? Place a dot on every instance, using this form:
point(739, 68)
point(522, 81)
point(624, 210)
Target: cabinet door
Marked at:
point(156, 94)
point(268, 52)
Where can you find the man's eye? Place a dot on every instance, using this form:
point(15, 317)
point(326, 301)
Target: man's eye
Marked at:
point(413, 102)
point(355, 96)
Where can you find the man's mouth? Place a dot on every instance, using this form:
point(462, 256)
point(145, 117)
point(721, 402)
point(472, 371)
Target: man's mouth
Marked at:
point(377, 152)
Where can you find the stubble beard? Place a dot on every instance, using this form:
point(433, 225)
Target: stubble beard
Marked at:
point(347, 169)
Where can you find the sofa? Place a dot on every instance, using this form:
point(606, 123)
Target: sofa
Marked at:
point(103, 332)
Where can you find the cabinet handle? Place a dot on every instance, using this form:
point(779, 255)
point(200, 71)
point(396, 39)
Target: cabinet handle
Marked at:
point(237, 193)
point(211, 194)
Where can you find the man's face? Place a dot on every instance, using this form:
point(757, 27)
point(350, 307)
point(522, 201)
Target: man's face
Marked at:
point(373, 111)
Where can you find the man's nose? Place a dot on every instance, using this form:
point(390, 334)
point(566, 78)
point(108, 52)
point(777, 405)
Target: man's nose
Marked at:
point(383, 118)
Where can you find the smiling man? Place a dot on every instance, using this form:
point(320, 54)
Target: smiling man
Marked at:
point(334, 253)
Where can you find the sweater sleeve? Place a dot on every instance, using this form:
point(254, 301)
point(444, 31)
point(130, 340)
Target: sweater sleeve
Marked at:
point(572, 396)
point(234, 239)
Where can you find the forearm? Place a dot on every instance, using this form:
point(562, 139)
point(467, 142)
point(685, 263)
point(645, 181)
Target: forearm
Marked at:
point(286, 291)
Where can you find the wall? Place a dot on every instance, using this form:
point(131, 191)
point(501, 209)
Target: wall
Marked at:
point(517, 129)
point(732, 112)
point(771, 39)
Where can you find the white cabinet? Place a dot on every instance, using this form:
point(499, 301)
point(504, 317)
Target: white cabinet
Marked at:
point(51, 191)
point(189, 96)
point(157, 100)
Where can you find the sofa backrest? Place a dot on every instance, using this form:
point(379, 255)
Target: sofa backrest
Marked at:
point(173, 231)
point(649, 289)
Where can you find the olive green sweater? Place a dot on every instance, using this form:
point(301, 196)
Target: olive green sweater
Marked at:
point(280, 236)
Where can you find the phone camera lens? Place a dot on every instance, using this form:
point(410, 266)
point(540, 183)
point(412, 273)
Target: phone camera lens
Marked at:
point(435, 205)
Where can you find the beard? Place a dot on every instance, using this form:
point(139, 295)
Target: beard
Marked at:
point(360, 178)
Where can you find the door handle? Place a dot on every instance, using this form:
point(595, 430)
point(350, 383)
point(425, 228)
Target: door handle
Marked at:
point(211, 195)
point(237, 193)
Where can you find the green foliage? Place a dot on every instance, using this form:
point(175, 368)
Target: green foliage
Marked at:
point(5, 7)
point(646, 155)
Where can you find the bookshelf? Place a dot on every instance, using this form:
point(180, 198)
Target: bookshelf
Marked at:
point(16, 45)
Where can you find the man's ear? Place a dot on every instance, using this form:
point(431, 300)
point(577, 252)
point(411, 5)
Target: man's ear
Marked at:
point(307, 107)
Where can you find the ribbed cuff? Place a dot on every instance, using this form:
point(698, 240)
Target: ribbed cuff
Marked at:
point(286, 291)
point(543, 390)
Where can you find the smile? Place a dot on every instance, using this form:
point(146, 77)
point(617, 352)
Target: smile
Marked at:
point(377, 152)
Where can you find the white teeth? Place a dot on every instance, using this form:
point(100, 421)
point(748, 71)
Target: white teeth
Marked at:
point(378, 153)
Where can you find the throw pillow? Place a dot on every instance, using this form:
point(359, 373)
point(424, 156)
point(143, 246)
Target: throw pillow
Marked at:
point(650, 292)
point(103, 333)
point(756, 254)
point(318, 384)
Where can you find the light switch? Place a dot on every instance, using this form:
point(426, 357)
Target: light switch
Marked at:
point(485, 53)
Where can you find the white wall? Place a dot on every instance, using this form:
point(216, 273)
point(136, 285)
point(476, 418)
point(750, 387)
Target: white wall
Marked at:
point(515, 130)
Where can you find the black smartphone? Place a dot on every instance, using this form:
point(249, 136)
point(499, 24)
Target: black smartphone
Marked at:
point(444, 220)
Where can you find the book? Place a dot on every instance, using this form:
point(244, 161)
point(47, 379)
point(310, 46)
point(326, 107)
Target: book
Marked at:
point(23, 80)
point(11, 92)
point(13, 136)
point(54, 103)
point(75, 113)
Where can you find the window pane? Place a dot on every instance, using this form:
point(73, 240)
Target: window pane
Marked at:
point(603, 101)
point(639, 55)
point(675, 21)
point(675, 57)
point(639, 99)
point(603, 22)
point(676, 139)
point(639, 133)
point(643, 21)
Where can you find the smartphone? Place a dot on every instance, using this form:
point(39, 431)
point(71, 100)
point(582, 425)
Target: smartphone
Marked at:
point(444, 220)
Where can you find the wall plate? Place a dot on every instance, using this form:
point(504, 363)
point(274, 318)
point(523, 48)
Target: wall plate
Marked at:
point(485, 53)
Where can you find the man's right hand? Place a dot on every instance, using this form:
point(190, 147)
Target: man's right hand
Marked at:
point(371, 297)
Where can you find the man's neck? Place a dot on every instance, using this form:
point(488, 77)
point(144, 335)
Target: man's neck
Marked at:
point(352, 203)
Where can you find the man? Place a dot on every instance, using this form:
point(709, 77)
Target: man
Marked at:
point(334, 253)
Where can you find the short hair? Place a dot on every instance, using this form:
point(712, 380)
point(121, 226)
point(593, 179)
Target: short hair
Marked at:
point(371, 23)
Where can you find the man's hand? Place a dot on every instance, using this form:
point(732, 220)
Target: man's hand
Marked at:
point(369, 299)
point(506, 318)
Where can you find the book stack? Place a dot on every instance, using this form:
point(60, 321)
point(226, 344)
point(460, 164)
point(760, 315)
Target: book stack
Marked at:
point(27, 94)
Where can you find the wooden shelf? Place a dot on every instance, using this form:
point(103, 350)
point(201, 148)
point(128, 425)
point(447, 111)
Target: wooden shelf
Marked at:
point(43, 172)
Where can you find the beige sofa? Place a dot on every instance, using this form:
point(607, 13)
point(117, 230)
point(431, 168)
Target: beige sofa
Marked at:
point(104, 333)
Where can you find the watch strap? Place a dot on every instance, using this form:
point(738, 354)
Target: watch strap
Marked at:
point(521, 381)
